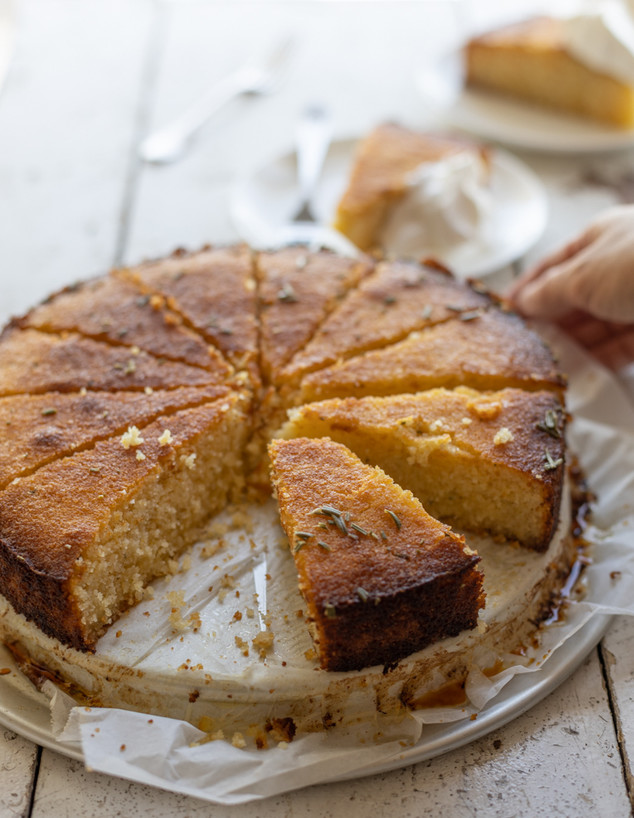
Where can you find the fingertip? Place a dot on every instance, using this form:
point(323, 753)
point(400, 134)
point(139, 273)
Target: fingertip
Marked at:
point(532, 302)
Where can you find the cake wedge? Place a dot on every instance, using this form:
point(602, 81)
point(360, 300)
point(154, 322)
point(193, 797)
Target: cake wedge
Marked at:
point(81, 538)
point(381, 578)
point(484, 349)
point(490, 462)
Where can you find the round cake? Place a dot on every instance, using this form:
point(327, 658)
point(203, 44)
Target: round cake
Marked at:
point(412, 430)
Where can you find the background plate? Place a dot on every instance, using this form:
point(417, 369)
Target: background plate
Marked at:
point(263, 202)
point(512, 123)
point(26, 711)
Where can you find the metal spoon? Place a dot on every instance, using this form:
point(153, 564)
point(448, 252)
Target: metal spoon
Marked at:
point(256, 77)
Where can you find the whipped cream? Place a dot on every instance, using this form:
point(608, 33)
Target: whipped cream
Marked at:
point(445, 204)
point(602, 37)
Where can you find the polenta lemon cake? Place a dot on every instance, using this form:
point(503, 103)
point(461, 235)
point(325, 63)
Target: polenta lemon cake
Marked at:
point(416, 483)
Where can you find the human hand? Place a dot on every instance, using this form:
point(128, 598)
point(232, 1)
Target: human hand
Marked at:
point(587, 287)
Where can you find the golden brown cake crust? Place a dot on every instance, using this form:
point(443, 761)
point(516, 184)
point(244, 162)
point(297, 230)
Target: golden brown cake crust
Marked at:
point(41, 563)
point(396, 299)
point(297, 290)
point(214, 291)
point(36, 362)
point(517, 434)
point(386, 588)
point(114, 310)
point(72, 470)
point(45, 427)
point(484, 349)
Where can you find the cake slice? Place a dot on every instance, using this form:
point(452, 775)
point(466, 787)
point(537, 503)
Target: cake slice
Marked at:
point(42, 428)
point(379, 177)
point(529, 61)
point(483, 349)
point(490, 462)
point(114, 310)
point(82, 537)
point(296, 291)
point(381, 578)
point(214, 292)
point(396, 299)
point(34, 362)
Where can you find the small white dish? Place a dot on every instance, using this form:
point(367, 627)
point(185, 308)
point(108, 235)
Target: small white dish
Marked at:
point(504, 120)
point(263, 203)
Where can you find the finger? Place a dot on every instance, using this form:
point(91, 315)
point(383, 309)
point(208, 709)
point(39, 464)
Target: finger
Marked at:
point(546, 296)
point(561, 255)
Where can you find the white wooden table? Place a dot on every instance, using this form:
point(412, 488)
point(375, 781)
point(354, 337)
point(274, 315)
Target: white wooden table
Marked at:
point(86, 82)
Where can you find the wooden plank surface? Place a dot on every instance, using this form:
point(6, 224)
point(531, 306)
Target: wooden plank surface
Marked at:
point(87, 81)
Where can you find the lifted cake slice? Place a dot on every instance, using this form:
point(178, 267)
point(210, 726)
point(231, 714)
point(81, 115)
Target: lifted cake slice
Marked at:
point(381, 578)
point(82, 537)
point(484, 461)
point(483, 349)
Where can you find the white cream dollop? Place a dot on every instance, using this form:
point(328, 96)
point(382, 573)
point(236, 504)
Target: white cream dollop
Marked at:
point(601, 36)
point(446, 203)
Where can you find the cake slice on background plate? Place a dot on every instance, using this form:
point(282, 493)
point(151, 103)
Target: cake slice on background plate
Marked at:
point(537, 61)
point(381, 577)
point(393, 163)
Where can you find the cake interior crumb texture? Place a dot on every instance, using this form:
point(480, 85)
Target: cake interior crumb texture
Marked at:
point(91, 512)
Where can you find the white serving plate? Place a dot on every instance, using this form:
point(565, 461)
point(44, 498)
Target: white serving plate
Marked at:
point(509, 122)
point(263, 202)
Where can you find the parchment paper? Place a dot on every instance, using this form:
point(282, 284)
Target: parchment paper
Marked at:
point(162, 752)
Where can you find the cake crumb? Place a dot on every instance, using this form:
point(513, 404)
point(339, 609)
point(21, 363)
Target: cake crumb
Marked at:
point(140, 456)
point(242, 645)
point(218, 529)
point(263, 643)
point(238, 741)
point(148, 390)
point(437, 425)
point(466, 421)
point(502, 436)
point(166, 438)
point(189, 461)
point(131, 438)
point(242, 519)
point(211, 548)
point(485, 410)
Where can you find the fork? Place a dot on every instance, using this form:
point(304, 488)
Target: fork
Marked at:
point(254, 78)
point(314, 133)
